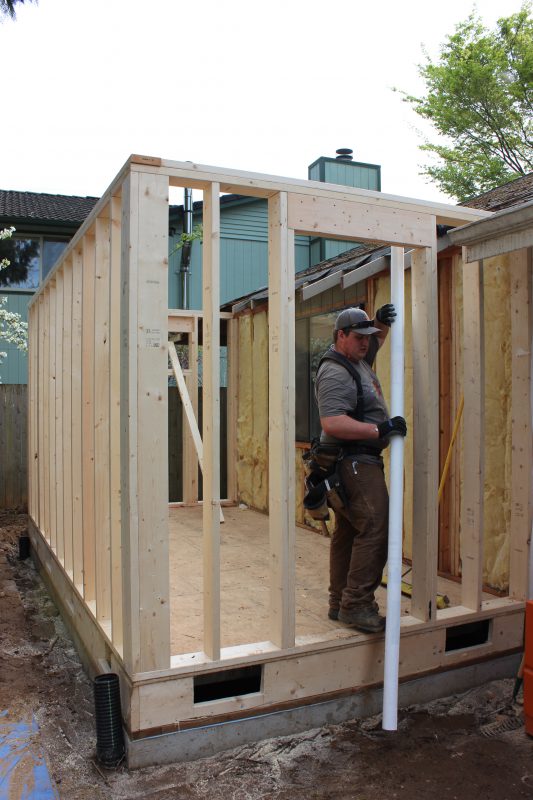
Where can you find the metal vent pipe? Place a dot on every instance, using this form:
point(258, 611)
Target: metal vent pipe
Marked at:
point(185, 261)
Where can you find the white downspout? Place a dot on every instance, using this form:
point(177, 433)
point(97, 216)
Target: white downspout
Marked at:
point(394, 569)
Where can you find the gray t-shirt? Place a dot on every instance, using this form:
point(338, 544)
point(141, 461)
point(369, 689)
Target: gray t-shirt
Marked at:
point(336, 394)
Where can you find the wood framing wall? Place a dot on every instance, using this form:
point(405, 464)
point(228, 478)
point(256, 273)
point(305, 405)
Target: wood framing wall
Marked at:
point(98, 447)
point(98, 332)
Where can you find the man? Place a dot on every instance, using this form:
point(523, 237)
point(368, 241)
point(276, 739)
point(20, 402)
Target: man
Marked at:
point(354, 415)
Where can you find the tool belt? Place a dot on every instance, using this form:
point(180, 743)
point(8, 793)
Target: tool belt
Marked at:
point(323, 487)
point(362, 450)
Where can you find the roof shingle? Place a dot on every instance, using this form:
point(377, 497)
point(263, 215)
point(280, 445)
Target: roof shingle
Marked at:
point(45, 207)
point(516, 192)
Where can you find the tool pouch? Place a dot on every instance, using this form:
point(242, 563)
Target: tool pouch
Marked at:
point(315, 498)
point(322, 459)
point(322, 482)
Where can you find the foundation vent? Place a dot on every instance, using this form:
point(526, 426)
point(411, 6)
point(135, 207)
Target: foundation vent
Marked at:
point(229, 683)
point(472, 634)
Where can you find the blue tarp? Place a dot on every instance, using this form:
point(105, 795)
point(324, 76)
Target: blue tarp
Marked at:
point(23, 771)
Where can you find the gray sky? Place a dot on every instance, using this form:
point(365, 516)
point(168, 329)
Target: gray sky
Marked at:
point(260, 86)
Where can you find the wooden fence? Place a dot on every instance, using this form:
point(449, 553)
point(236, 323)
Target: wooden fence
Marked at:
point(13, 446)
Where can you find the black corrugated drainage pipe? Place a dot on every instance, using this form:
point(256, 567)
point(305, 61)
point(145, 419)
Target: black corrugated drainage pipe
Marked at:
point(109, 733)
point(24, 547)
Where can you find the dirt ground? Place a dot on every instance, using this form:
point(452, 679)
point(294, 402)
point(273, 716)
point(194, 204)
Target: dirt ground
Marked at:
point(468, 746)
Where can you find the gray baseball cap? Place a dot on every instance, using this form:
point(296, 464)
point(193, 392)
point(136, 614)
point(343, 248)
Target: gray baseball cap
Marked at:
point(357, 320)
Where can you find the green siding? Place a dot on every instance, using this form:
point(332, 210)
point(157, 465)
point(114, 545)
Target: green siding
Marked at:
point(334, 247)
point(243, 255)
point(14, 368)
point(245, 222)
point(347, 173)
point(314, 171)
point(361, 176)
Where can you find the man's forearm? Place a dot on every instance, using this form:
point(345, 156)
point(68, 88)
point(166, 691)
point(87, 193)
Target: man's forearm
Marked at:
point(383, 331)
point(344, 427)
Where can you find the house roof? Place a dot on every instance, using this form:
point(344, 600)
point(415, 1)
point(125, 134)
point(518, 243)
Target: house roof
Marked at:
point(517, 191)
point(38, 207)
point(341, 264)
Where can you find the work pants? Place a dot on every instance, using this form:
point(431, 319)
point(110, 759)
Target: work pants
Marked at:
point(358, 550)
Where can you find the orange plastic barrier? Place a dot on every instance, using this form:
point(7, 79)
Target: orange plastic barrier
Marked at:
point(528, 670)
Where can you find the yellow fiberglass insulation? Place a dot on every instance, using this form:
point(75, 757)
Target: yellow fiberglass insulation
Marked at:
point(497, 410)
point(252, 420)
point(497, 428)
point(497, 507)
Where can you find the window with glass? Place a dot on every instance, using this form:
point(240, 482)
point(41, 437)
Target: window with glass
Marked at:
point(51, 251)
point(30, 260)
point(313, 337)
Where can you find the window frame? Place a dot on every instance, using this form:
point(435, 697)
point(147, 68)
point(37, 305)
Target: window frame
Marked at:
point(40, 238)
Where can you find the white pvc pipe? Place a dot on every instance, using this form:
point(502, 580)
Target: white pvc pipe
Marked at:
point(394, 569)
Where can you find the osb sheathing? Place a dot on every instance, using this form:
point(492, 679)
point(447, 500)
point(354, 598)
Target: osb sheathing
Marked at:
point(252, 437)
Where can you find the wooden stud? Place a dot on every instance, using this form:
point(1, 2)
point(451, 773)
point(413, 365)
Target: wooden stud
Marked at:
point(52, 461)
point(152, 442)
point(445, 405)
point(457, 398)
point(114, 423)
point(87, 448)
point(77, 448)
point(425, 431)
point(211, 420)
point(281, 497)
point(522, 456)
point(144, 438)
point(190, 457)
point(42, 336)
point(473, 432)
point(58, 423)
point(67, 417)
point(45, 460)
point(33, 406)
point(102, 511)
point(232, 407)
point(129, 335)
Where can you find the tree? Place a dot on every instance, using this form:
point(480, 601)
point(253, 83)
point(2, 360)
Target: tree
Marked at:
point(480, 97)
point(12, 328)
point(7, 7)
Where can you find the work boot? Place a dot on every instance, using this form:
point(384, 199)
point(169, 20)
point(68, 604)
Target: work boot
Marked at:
point(333, 613)
point(364, 619)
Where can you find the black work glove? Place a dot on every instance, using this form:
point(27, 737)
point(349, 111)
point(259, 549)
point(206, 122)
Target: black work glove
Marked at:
point(396, 426)
point(386, 314)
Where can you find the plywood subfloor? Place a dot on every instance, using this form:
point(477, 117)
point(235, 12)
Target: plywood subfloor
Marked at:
point(245, 581)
